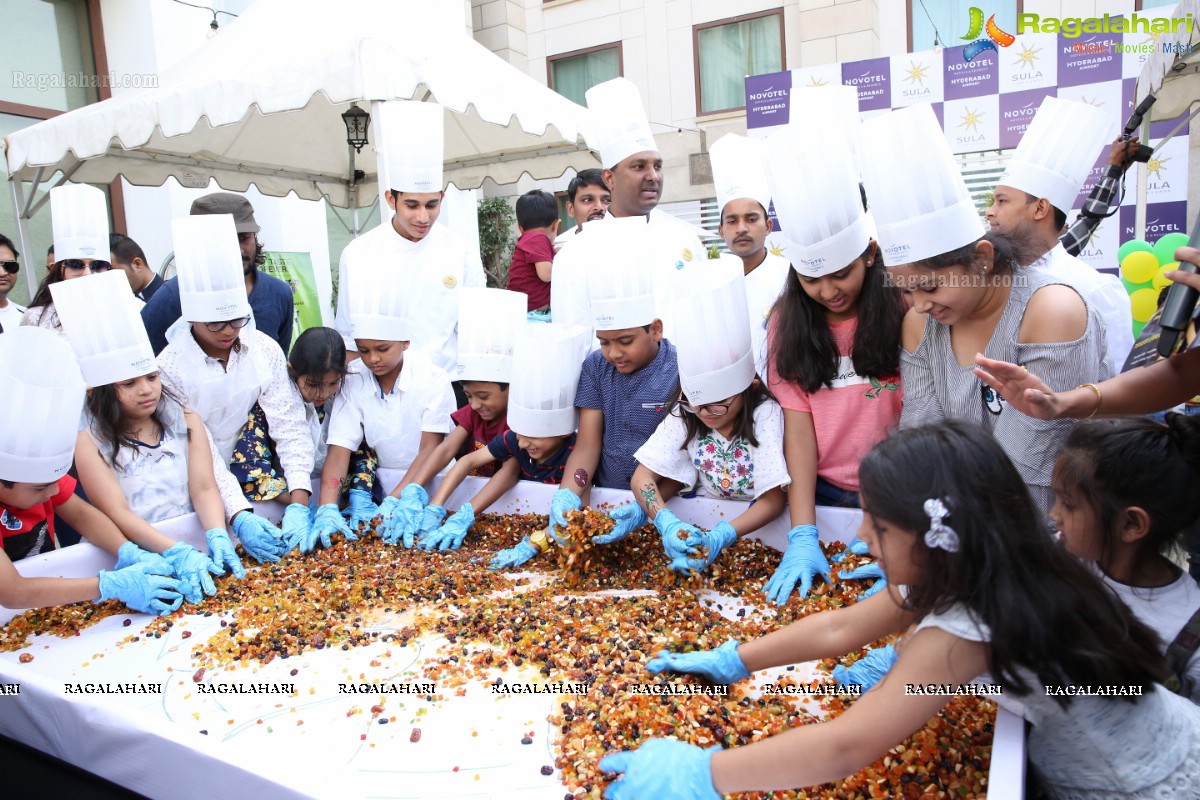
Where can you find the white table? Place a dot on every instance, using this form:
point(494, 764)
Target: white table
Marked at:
point(151, 743)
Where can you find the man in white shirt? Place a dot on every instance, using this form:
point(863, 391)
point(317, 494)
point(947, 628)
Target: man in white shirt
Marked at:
point(634, 175)
point(437, 262)
point(10, 312)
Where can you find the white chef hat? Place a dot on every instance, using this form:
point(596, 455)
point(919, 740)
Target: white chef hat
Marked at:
point(739, 170)
point(102, 323)
point(1058, 150)
point(410, 143)
point(712, 332)
point(378, 303)
point(916, 191)
point(79, 218)
point(547, 360)
point(489, 321)
point(818, 202)
point(43, 400)
point(620, 279)
point(617, 122)
point(212, 286)
point(832, 108)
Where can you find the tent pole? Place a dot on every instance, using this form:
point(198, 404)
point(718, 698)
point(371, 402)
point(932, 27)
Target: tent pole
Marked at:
point(18, 200)
point(1143, 175)
point(354, 229)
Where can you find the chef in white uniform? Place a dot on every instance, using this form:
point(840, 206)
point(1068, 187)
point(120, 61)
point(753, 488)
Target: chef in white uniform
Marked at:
point(434, 262)
point(739, 169)
point(620, 131)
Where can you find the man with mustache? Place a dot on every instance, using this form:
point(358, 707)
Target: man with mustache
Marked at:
point(10, 312)
point(270, 298)
point(588, 198)
point(633, 173)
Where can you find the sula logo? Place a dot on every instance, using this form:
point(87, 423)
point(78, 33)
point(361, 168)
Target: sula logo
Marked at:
point(995, 36)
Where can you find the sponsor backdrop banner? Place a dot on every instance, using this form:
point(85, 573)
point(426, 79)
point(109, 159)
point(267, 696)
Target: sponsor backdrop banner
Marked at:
point(295, 269)
point(987, 102)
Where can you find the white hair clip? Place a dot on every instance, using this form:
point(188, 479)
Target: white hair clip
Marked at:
point(940, 535)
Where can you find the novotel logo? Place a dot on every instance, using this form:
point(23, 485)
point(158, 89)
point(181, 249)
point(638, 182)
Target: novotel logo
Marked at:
point(1027, 111)
point(866, 78)
point(769, 93)
point(142, 363)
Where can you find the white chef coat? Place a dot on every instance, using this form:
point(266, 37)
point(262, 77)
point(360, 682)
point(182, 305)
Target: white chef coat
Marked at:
point(763, 287)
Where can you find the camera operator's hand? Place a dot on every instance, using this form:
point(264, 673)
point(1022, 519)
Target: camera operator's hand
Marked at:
point(1023, 390)
point(1121, 153)
point(1191, 255)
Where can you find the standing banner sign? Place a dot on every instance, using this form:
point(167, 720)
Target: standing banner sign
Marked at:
point(295, 269)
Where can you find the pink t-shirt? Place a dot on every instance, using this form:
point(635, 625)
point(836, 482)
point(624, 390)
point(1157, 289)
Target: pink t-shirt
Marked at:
point(849, 417)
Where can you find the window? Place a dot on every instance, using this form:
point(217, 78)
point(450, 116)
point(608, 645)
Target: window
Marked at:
point(572, 74)
point(728, 51)
point(950, 20)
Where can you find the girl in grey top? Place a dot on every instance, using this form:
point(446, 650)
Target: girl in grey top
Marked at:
point(976, 300)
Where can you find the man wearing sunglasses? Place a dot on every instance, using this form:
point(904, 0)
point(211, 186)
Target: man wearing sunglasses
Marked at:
point(10, 312)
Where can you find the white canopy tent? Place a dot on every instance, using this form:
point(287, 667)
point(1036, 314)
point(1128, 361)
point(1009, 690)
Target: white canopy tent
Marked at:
point(261, 102)
point(1172, 74)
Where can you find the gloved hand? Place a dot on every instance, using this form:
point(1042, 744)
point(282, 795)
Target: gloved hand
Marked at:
point(670, 526)
point(662, 768)
point(868, 670)
point(360, 508)
point(129, 554)
point(261, 540)
point(450, 536)
point(328, 522)
point(722, 665)
point(514, 556)
point(142, 589)
point(802, 561)
point(628, 517)
point(220, 550)
point(857, 546)
point(866, 572)
point(430, 522)
point(192, 568)
point(402, 516)
point(564, 500)
point(297, 520)
point(714, 540)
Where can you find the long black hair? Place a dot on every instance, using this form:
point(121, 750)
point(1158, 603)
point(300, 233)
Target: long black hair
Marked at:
point(317, 351)
point(105, 409)
point(1112, 465)
point(752, 396)
point(803, 350)
point(42, 296)
point(1046, 611)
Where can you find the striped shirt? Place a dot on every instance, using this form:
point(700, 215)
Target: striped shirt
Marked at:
point(937, 387)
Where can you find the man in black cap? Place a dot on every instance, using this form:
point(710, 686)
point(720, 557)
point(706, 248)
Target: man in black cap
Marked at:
point(270, 298)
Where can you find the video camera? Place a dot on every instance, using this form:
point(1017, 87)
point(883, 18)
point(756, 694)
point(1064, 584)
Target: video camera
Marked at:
point(1144, 151)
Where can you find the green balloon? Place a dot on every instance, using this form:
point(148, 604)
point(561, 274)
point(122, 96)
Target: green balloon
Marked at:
point(1164, 248)
point(1132, 287)
point(1132, 246)
point(1137, 329)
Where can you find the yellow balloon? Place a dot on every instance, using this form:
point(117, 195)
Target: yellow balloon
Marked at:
point(1159, 279)
point(1144, 303)
point(1139, 267)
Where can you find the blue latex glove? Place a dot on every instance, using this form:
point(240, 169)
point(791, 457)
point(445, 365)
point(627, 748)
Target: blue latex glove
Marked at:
point(662, 768)
point(220, 550)
point(430, 523)
point(142, 589)
point(857, 546)
point(261, 540)
point(360, 508)
point(628, 517)
point(328, 522)
point(722, 665)
point(866, 572)
point(715, 540)
point(868, 670)
point(129, 554)
point(670, 526)
point(297, 521)
point(564, 500)
point(450, 536)
point(802, 561)
point(194, 571)
point(402, 516)
point(514, 556)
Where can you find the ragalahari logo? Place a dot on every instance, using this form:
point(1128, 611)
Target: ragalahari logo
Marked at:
point(995, 36)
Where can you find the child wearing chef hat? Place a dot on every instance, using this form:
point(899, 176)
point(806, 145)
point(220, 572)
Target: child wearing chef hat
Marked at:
point(44, 388)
